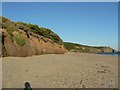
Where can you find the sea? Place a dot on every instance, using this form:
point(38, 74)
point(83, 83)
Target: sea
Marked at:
point(110, 53)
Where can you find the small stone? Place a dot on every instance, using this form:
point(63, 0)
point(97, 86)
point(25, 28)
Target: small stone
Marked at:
point(36, 76)
point(26, 70)
point(81, 81)
point(83, 86)
point(102, 78)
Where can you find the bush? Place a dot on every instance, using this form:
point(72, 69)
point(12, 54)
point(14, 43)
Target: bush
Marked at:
point(4, 25)
point(10, 30)
point(45, 32)
point(28, 27)
point(19, 40)
point(4, 19)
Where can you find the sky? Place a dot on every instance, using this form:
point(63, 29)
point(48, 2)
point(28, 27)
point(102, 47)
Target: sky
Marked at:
point(60, 0)
point(87, 23)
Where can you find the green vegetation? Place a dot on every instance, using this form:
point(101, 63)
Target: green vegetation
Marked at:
point(29, 28)
point(75, 47)
point(45, 32)
point(83, 48)
point(4, 19)
point(9, 26)
point(19, 40)
point(10, 30)
point(69, 46)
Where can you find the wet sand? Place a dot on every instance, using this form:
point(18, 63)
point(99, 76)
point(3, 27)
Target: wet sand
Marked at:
point(70, 70)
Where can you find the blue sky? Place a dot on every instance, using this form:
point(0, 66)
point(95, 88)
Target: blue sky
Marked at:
point(87, 23)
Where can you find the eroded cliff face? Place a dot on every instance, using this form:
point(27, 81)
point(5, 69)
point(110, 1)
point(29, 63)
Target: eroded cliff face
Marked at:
point(31, 46)
point(25, 39)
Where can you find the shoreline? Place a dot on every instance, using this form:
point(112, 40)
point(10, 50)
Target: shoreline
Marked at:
point(65, 54)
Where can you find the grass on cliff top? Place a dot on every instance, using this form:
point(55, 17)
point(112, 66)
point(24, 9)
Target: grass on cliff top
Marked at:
point(28, 27)
point(81, 48)
point(45, 32)
point(70, 46)
point(19, 40)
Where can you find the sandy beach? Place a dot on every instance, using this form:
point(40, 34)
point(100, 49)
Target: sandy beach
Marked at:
point(0, 73)
point(71, 70)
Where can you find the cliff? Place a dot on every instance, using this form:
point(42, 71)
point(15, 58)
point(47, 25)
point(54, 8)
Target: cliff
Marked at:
point(22, 39)
point(25, 39)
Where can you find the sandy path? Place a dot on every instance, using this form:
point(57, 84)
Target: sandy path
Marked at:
point(63, 71)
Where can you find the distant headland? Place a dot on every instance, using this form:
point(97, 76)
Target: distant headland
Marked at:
point(26, 39)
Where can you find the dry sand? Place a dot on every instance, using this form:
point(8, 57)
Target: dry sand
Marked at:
point(0, 73)
point(61, 71)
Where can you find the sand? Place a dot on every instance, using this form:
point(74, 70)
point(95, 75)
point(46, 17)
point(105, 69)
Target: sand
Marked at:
point(0, 73)
point(71, 70)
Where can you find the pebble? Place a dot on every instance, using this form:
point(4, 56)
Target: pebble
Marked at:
point(81, 81)
point(36, 76)
point(26, 70)
point(83, 86)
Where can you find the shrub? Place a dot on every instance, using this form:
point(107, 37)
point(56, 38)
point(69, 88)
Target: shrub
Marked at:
point(4, 25)
point(28, 27)
point(4, 19)
point(10, 30)
point(19, 40)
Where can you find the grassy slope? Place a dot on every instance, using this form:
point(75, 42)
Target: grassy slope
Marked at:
point(74, 47)
point(29, 28)
point(42, 33)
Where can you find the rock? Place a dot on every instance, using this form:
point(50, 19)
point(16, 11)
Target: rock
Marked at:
point(83, 86)
point(81, 81)
point(27, 44)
